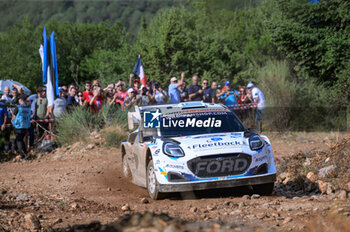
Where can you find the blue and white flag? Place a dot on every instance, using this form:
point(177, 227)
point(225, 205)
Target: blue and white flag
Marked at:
point(50, 93)
point(44, 57)
point(54, 62)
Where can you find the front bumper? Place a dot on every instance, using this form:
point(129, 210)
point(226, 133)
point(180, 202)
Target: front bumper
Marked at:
point(244, 181)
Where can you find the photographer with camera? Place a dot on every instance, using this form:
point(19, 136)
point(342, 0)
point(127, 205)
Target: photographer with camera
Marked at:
point(130, 99)
point(97, 99)
point(145, 97)
point(160, 96)
point(229, 96)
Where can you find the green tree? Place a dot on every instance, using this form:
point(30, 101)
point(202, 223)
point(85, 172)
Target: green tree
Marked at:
point(214, 43)
point(314, 37)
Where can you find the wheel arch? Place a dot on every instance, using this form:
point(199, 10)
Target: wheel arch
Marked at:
point(122, 150)
point(148, 157)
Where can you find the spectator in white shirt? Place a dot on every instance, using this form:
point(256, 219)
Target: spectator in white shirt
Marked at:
point(6, 97)
point(258, 98)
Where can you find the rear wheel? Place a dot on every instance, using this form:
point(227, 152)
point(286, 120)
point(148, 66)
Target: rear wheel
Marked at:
point(126, 169)
point(263, 189)
point(152, 183)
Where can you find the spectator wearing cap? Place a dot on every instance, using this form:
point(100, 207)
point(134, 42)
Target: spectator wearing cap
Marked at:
point(173, 89)
point(136, 85)
point(60, 104)
point(160, 96)
point(21, 124)
point(41, 104)
point(219, 89)
point(149, 85)
point(195, 91)
point(229, 96)
point(259, 99)
point(6, 95)
point(5, 132)
point(209, 94)
point(41, 111)
point(130, 99)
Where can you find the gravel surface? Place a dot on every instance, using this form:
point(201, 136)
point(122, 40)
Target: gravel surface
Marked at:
point(81, 188)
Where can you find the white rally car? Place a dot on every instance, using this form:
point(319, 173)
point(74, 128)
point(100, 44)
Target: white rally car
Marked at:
point(195, 146)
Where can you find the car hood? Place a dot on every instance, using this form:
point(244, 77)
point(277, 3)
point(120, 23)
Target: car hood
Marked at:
point(213, 143)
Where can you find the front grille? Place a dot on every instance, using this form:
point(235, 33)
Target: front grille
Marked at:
point(220, 165)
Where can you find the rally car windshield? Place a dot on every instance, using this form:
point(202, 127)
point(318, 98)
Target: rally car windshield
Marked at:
point(195, 124)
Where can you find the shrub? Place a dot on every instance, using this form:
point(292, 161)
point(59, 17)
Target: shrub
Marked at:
point(114, 134)
point(77, 125)
point(116, 127)
point(294, 103)
point(112, 115)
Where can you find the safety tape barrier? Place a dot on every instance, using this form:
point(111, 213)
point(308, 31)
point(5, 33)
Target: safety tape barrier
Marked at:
point(33, 121)
point(245, 106)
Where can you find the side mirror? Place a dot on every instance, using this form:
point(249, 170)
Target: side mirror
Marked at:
point(249, 132)
point(133, 120)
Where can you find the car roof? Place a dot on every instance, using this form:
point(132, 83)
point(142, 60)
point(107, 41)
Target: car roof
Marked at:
point(182, 106)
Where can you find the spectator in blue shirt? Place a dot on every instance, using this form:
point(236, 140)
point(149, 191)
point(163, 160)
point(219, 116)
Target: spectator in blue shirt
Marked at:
point(71, 102)
point(228, 96)
point(5, 132)
point(174, 92)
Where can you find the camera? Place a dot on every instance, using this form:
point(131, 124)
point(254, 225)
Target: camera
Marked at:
point(144, 91)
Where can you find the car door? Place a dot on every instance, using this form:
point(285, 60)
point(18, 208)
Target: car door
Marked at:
point(139, 153)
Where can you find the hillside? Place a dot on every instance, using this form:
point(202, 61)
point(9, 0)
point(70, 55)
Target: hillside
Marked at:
point(129, 13)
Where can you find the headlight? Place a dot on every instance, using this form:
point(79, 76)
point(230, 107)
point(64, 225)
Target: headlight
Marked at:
point(255, 142)
point(172, 149)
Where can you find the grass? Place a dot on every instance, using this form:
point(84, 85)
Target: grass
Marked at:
point(113, 135)
point(298, 105)
point(77, 126)
point(81, 122)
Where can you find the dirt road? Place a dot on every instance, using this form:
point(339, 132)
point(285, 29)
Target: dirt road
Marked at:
point(80, 184)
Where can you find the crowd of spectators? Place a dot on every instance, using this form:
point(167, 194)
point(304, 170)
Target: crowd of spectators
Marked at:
point(19, 110)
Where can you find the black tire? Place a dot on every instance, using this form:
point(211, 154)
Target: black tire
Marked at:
point(263, 189)
point(152, 183)
point(126, 168)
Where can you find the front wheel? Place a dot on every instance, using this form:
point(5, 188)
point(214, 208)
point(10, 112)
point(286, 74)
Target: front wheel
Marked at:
point(152, 183)
point(263, 189)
